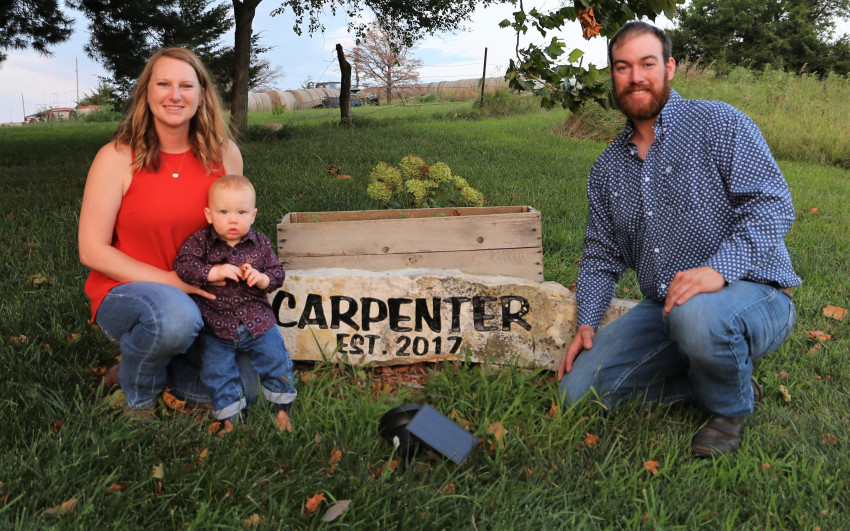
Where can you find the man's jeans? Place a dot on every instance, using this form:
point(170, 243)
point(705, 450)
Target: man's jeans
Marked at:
point(220, 372)
point(704, 349)
point(156, 326)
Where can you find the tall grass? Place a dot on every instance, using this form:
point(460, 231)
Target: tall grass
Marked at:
point(803, 118)
point(62, 442)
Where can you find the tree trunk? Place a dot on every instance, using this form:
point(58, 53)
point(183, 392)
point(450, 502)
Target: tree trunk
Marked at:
point(345, 89)
point(243, 13)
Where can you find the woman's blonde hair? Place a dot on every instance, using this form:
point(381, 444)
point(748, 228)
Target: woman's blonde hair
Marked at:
point(208, 133)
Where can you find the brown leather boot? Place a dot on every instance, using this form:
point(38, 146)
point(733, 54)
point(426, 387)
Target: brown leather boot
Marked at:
point(721, 435)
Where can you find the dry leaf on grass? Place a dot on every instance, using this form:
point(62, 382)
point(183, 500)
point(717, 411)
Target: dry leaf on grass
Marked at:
point(498, 432)
point(786, 396)
point(590, 440)
point(813, 210)
point(64, 508)
point(652, 466)
point(158, 471)
point(313, 502)
point(835, 312)
point(828, 438)
point(336, 510)
point(254, 521)
point(336, 455)
point(117, 487)
point(819, 335)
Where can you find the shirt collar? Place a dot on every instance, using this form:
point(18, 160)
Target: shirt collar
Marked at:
point(668, 117)
point(251, 236)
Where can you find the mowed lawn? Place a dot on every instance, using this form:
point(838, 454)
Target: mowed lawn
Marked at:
point(70, 460)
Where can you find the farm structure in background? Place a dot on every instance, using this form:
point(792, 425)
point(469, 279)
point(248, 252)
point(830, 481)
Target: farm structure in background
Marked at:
point(458, 90)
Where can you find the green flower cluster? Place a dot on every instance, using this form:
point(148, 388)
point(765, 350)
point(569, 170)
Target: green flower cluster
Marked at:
point(416, 184)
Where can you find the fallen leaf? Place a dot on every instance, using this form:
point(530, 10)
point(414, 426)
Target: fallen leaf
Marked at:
point(336, 510)
point(816, 348)
point(18, 339)
point(448, 489)
point(158, 471)
point(813, 210)
point(786, 396)
point(553, 411)
point(336, 455)
point(204, 453)
point(393, 466)
point(57, 425)
point(73, 337)
point(117, 487)
point(313, 502)
point(835, 312)
point(783, 374)
point(499, 433)
point(64, 508)
point(590, 440)
point(342, 176)
point(828, 438)
point(819, 335)
point(254, 521)
point(765, 466)
point(39, 279)
point(652, 466)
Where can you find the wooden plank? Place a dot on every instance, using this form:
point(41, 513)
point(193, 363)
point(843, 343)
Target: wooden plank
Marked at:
point(392, 236)
point(366, 215)
point(519, 262)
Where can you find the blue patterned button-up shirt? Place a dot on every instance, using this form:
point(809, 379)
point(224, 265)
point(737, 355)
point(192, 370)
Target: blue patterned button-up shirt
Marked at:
point(709, 193)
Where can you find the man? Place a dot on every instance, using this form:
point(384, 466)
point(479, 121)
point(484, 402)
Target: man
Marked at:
point(690, 197)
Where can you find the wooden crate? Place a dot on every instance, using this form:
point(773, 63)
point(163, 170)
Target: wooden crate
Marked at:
point(479, 240)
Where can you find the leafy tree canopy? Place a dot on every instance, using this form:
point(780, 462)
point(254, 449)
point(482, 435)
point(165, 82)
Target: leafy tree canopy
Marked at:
point(754, 33)
point(542, 70)
point(124, 34)
point(408, 20)
point(36, 24)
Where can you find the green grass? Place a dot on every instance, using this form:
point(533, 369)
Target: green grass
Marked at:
point(61, 441)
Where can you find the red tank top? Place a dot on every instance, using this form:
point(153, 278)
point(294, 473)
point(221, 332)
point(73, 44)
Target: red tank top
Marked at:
point(157, 214)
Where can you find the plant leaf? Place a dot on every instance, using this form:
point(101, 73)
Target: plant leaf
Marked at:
point(313, 502)
point(336, 511)
point(835, 312)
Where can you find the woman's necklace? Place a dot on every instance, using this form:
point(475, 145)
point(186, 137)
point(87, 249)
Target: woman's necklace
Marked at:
point(175, 174)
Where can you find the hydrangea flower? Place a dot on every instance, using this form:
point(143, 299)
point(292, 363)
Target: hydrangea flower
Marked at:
point(440, 173)
point(412, 167)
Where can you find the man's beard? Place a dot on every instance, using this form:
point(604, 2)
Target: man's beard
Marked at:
point(641, 112)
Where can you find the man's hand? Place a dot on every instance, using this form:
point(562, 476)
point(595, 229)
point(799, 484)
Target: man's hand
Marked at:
point(583, 340)
point(691, 282)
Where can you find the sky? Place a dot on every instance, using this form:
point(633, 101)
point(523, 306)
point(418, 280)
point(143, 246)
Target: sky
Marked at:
point(30, 82)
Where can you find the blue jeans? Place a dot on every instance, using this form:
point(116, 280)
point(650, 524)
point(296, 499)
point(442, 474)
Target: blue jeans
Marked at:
point(156, 326)
point(220, 372)
point(702, 350)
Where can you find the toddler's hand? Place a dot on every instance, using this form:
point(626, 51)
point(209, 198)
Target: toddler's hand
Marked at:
point(254, 278)
point(221, 272)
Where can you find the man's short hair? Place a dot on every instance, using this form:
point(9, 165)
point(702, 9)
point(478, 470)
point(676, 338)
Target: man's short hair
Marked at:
point(635, 28)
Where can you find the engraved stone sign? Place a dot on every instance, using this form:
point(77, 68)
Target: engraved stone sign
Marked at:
point(411, 315)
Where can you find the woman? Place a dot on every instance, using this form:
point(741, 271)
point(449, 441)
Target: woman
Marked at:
point(145, 194)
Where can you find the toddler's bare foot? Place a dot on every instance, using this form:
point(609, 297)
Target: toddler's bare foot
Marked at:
point(284, 423)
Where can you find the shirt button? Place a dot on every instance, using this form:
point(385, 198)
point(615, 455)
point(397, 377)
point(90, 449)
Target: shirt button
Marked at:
point(646, 179)
point(662, 286)
point(669, 169)
point(649, 213)
point(615, 194)
point(656, 249)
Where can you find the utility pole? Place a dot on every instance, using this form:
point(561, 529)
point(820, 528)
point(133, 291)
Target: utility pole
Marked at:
point(483, 76)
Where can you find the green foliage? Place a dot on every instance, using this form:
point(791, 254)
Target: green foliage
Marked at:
point(62, 442)
point(505, 102)
point(569, 84)
point(415, 184)
point(124, 34)
point(32, 24)
point(794, 34)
